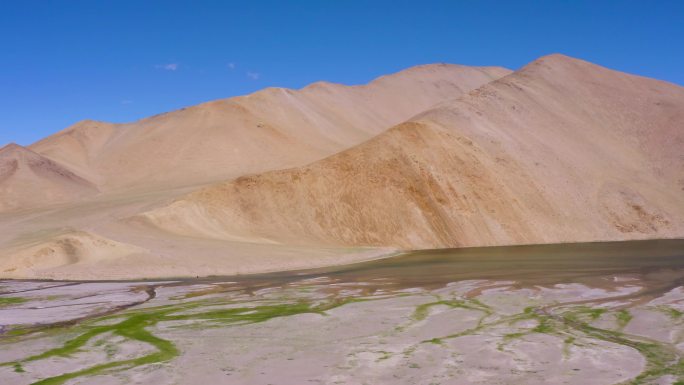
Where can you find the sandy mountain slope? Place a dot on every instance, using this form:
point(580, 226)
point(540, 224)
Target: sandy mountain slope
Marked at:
point(559, 151)
point(270, 129)
point(70, 251)
point(28, 179)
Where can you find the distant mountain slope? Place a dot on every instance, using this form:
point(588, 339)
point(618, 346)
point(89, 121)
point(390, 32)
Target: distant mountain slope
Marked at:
point(270, 129)
point(559, 151)
point(28, 179)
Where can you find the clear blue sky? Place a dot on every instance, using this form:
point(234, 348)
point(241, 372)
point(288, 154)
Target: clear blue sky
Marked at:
point(63, 61)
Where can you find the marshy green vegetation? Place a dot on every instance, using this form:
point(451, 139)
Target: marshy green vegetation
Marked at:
point(575, 323)
point(569, 323)
point(7, 301)
point(135, 325)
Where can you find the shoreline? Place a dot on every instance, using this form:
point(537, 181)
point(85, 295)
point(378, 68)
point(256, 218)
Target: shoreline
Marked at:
point(346, 259)
point(351, 259)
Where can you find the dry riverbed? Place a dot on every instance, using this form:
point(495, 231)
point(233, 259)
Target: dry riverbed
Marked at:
point(581, 325)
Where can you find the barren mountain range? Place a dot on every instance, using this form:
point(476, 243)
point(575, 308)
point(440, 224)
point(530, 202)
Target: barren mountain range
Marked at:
point(270, 129)
point(435, 156)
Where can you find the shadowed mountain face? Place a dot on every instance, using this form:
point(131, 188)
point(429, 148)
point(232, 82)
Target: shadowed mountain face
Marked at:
point(559, 151)
point(271, 129)
point(28, 179)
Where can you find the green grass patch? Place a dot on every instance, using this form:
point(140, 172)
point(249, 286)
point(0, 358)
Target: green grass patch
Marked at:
point(544, 326)
point(9, 301)
point(623, 317)
point(660, 359)
point(423, 310)
point(134, 325)
point(385, 355)
point(567, 343)
point(512, 336)
point(672, 312)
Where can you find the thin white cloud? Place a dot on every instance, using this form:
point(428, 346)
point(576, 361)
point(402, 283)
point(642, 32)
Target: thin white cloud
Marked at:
point(231, 65)
point(168, 67)
point(253, 75)
point(126, 101)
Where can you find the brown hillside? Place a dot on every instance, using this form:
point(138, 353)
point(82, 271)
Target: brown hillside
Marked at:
point(560, 151)
point(270, 129)
point(28, 179)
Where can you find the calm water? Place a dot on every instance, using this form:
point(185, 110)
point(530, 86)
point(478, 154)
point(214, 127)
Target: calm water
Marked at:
point(656, 261)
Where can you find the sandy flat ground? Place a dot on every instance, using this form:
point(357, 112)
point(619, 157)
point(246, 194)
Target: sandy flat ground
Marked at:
point(321, 330)
point(94, 239)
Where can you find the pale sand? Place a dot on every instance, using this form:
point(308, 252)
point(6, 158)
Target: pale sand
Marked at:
point(28, 179)
point(89, 241)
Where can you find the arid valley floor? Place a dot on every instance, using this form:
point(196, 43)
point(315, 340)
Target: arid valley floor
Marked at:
point(598, 313)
